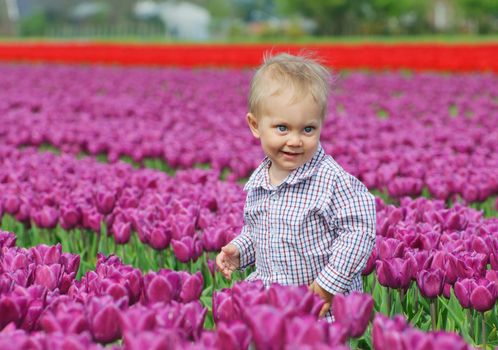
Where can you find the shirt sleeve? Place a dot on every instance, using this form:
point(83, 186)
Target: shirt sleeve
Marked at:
point(245, 244)
point(352, 215)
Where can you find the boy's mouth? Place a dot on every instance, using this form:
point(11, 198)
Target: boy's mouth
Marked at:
point(291, 154)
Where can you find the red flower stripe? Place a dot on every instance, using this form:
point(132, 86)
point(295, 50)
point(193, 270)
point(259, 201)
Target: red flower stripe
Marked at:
point(450, 57)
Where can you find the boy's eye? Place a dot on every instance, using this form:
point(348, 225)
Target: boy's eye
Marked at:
point(281, 128)
point(308, 129)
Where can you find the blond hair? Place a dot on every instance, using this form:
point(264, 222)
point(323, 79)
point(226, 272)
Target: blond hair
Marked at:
point(303, 73)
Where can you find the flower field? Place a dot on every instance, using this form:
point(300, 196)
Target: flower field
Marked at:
point(118, 185)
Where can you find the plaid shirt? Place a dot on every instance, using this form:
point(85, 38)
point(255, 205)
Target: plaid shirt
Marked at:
point(318, 224)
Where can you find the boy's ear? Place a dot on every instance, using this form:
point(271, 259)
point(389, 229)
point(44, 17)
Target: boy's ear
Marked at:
point(252, 121)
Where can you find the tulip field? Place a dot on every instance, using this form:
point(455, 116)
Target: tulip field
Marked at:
point(120, 183)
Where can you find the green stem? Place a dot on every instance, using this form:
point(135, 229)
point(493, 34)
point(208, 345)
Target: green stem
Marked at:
point(416, 299)
point(484, 342)
point(433, 314)
point(388, 301)
point(469, 320)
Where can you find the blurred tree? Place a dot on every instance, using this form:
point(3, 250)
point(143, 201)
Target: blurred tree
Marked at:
point(34, 25)
point(358, 16)
point(483, 14)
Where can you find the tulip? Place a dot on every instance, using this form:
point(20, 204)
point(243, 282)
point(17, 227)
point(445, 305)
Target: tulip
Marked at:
point(165, 339)
point(71, 262)
point(213, 239)
point(396, 272)
point(235, 335)
point(103, 317)
point(224, 309)
point(11, 310)
point(294, 301)
point(47, 217)
point(105, 201)
point(159, 289)
point(187, 248)
point(483, 296)
point(7, 239)
point(353, 312)
point(70, 217)
point(159, 237)
point(430, 282)
point(267, 326)
point(192, 287)
point(47, 255)
point(48, 276)
point(390, 248)
point(121, 232)
point(138, 319)
point(67, 317)
point(192, 318)
point(11, 204)
point(386, 333)
point(24, 213)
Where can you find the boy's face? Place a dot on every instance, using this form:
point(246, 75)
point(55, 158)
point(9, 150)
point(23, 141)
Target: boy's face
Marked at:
point(289, 131)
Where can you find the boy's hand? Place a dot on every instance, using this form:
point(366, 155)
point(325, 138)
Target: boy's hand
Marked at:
point(322, 293)
point(228, 260)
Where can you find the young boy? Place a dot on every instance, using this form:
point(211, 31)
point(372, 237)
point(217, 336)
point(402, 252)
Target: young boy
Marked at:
point(306, 220)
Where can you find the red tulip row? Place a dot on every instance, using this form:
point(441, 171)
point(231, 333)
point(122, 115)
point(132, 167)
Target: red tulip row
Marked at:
point(453, 57)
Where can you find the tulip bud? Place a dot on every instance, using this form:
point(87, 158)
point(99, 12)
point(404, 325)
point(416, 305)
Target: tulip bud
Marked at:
point(353, 312)
point(430, 283)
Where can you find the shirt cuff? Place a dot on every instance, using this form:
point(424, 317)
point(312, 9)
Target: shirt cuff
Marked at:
point(332, 281)
point(244, 245)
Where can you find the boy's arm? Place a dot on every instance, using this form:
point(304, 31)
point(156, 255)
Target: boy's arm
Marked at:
point(352, 214)
point(245, 245)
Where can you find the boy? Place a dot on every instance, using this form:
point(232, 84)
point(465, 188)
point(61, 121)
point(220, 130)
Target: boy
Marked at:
point(306, 220)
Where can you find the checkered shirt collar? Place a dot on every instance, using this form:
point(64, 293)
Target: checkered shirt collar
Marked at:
point(260, 176)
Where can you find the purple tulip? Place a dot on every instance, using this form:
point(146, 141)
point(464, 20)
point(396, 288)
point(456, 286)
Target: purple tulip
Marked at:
point(159, 289)
point(105, 201)
point(47, 217)
point(48, 276)
point(386, 333)
point(390, 248)
point(396, 272)
point(267, 326)
point(165, 339)
point(24, 213)
point(11, 204)
point(7, 239)
point(463, 289)
point(71, 262)
point(236, 336)
point(353, 312)
point(430, 283)
point(213, 239)
point(92, 220)
point(47, 255)
point(449, 341)
point(483, 296)
point(192, 287)
point(224, 309)
point(103, 317)
point(66, 317)
point(70, 217)
point(138, 319)
point(159, 237)
point(121, 232)
point(187, 248)
point(192, 318)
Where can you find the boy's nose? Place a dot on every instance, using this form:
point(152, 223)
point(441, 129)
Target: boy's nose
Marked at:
point(294, 140)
